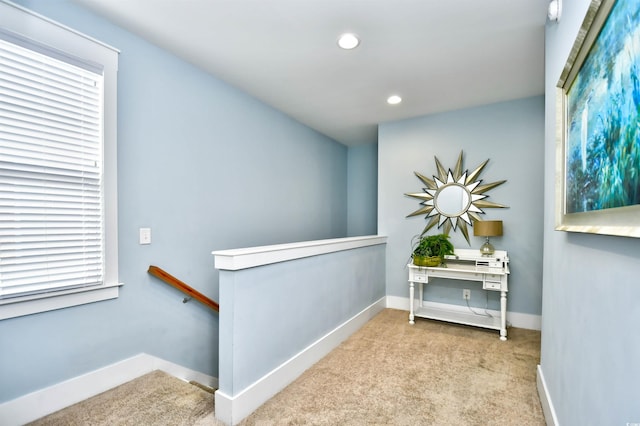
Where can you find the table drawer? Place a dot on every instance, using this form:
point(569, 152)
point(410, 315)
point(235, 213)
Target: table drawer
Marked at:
point(457, 275)
point(492, 285)
point(419, 277)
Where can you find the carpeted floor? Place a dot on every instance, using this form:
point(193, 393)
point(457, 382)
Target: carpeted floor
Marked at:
point(430, 373)
point(387, 373)
point(155, 399)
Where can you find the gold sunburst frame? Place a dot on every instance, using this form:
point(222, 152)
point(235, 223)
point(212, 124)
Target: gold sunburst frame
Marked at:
point(473, 197)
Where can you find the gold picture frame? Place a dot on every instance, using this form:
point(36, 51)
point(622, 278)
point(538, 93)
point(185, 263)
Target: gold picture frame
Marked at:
point(597, 149)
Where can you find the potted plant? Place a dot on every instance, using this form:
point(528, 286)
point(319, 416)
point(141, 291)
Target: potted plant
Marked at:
point(430, 250)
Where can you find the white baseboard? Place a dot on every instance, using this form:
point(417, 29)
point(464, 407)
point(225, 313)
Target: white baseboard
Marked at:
point(545, 399)
point(232, 409)
point(515, 319)
point(526, 321)
point(40, 403)
point(184, 373)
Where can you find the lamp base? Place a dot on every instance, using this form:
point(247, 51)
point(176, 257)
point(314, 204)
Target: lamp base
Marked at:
point(487, 248)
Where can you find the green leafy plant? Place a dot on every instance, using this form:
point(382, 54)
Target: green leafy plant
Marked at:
point(433, 245)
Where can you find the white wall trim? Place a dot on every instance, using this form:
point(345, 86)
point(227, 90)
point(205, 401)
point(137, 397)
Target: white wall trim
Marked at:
point(57, 24)
point(35, 405)
point(236, 259)
point(545, 399)
point(515, 319)
point(527, 321)
point(33, 304)
point(232, 410)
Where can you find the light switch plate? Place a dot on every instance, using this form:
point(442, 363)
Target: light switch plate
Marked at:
point(145, 235)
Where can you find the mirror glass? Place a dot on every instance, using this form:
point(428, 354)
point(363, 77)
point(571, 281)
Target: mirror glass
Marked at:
point(452, 200)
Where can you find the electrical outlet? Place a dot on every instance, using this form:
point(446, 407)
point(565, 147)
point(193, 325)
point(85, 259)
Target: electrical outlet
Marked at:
point(466, 294)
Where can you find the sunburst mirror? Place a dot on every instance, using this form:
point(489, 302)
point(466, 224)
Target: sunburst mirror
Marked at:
point(454, 199)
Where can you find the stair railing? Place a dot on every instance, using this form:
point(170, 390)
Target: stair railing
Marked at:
point(188, 290)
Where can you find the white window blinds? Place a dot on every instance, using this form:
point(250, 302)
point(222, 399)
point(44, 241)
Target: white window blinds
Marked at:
point(51, 204)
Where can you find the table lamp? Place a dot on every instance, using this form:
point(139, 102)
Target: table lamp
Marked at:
point(487, 228)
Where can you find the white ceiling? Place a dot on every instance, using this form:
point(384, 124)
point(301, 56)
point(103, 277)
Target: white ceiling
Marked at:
point(439, 55)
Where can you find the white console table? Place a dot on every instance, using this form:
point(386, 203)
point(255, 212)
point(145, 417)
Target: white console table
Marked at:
point(469, 265)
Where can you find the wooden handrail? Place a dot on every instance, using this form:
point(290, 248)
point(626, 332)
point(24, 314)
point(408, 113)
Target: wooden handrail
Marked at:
point(171, 280)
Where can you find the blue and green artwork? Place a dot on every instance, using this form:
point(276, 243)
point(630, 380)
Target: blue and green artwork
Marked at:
point(603, 117)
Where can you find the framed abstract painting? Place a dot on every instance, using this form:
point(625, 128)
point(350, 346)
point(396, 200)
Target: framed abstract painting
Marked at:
point(598, 124)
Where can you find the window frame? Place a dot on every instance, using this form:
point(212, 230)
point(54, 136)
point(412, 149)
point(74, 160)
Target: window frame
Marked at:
point(31, 25)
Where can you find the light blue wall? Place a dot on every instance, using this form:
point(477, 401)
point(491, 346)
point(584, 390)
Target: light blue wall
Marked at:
point(362, 184)
point(590, 309)
point(207, 168)
point(307, 299)
point(510, 134)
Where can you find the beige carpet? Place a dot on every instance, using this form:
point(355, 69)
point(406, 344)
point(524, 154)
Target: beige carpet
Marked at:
point(387, 373)
point(153, 399)
point(430, 373)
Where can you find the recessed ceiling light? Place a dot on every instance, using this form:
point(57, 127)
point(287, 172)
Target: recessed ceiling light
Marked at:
point(348, 41)
point(394, 100)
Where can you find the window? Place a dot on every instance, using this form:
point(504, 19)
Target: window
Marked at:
point(58, 228)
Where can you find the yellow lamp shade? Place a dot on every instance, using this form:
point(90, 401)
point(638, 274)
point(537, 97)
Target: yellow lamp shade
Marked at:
point(487, 228)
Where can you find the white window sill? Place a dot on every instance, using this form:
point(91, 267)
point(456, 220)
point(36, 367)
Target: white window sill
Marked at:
point(27, 305)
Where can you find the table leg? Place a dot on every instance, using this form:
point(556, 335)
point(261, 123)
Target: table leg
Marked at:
point(503, 315)
point(411, 290)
